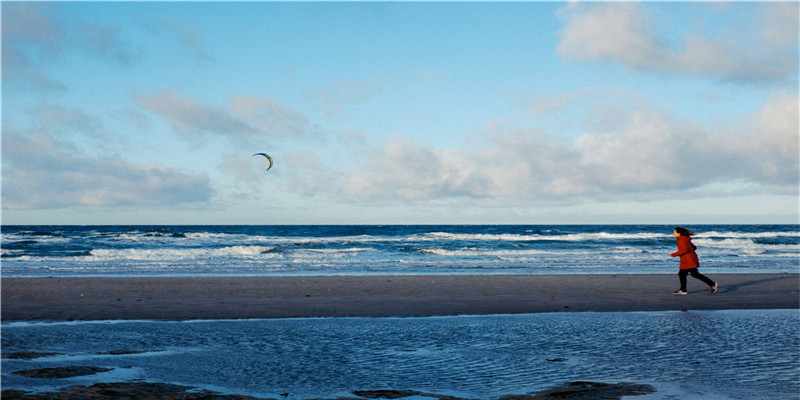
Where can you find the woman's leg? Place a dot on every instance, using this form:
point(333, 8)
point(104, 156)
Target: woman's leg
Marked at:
point(697, 275)
point(682, 277)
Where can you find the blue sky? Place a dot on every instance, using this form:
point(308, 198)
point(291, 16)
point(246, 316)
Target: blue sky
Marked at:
point(399, 113)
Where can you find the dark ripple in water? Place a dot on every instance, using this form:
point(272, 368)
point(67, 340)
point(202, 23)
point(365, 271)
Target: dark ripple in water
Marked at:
point(719, 354)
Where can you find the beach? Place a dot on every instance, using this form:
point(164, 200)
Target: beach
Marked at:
point(243, 297)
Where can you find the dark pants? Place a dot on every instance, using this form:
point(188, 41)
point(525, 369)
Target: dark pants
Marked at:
point(695, 274)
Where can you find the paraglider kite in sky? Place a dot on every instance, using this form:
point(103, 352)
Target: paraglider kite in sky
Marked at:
point(268, 158)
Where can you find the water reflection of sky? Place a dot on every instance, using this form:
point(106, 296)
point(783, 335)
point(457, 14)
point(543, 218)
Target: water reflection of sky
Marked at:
point(712, 354)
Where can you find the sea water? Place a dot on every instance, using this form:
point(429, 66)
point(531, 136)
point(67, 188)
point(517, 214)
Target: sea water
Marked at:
point(373, 249)
point(743, 354)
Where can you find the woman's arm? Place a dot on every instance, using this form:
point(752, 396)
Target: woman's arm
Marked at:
point(683, 248)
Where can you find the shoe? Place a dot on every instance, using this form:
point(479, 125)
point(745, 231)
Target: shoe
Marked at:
point(714, 288)
point(680, 292)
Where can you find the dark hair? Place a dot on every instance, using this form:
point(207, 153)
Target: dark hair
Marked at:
point(684, 232)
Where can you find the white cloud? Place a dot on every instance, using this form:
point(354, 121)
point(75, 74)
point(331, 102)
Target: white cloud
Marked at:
point(625, 32)
point(36, 35)
point(104, 41)
point(642, 153)
point(618, 31)
point(68, 121)
point(408, 170)
point(246, 118)
point(29, 33)
point(269, 117)
point(42, 172)
point(29, 22)
point(189, 117)
point(779, 24)
point(765, 145)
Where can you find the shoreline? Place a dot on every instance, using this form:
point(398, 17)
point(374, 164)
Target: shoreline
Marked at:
point(246, 297)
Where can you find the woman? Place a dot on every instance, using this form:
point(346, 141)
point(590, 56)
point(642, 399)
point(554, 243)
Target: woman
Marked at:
point(689, 261)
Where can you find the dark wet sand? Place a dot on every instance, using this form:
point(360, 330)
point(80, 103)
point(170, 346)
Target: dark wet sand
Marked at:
point(180, 298)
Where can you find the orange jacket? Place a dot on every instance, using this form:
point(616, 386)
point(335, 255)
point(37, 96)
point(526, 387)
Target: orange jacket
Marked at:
point(686, 251)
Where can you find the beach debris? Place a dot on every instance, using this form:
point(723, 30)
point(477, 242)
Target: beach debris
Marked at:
point(121, 352)
point(29, 355)
point(124, 390)
point(385, 394)
point(165, 391)
point(593, 391)
point(61, 372)
point(268, 158)
point(399, 394)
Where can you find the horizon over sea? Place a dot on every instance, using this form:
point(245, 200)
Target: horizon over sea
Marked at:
point(205, 250)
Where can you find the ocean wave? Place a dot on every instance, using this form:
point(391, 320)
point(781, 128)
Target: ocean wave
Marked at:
point(10, 237)
point(307, 240)
point(480, 252)
point(359, 249)
point(349, 250)
point(230, 252)
point(475, 252)
point(569, 237)
point(588, 236)
point(736, 235)
point(213, 235)
point(747, 246)
point(172, 254)
point(10, 253)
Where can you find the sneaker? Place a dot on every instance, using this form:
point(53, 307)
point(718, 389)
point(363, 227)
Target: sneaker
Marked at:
point(680, 292)
point(714, 288)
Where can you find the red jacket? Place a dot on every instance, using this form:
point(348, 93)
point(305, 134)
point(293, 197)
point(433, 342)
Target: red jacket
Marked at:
point(686, 251)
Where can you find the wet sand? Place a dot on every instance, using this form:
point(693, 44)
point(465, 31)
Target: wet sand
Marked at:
point(181, 298)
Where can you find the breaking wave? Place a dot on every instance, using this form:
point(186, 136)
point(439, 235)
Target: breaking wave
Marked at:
point(65, 250)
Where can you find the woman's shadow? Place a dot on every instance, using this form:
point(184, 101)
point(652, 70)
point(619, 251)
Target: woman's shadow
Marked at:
point(736, 286)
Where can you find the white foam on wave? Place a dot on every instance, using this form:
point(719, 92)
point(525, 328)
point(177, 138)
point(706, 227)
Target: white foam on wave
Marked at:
point(13, 253)
point(334, 251)
point(336, 239)
point(467, 252)
point(10, 237)
point(739, 235)
point(208, 235)
point(513, 237)
point(177, 251)
point(746, 246)
point(470, 252)
point(577, 237)
point(173, 254)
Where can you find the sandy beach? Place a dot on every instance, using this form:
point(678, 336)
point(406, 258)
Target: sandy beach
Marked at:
point(181, 298)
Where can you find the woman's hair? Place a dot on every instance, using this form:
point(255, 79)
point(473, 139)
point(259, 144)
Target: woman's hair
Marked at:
point(684, 232)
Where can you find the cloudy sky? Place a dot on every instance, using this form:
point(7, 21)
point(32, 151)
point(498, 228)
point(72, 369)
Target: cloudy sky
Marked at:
point(403, 113)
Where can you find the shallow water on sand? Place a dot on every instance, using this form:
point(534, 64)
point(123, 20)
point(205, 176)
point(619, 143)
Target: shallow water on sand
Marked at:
point(740, 354)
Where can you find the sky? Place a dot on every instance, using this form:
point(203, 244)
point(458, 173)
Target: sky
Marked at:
point(400, 112)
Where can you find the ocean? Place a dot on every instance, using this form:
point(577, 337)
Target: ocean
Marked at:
point(152, 250)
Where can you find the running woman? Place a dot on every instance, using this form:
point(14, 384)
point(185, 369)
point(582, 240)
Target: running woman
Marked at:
point(689, 261)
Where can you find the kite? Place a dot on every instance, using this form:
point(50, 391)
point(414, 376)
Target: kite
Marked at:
point(268, 158)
